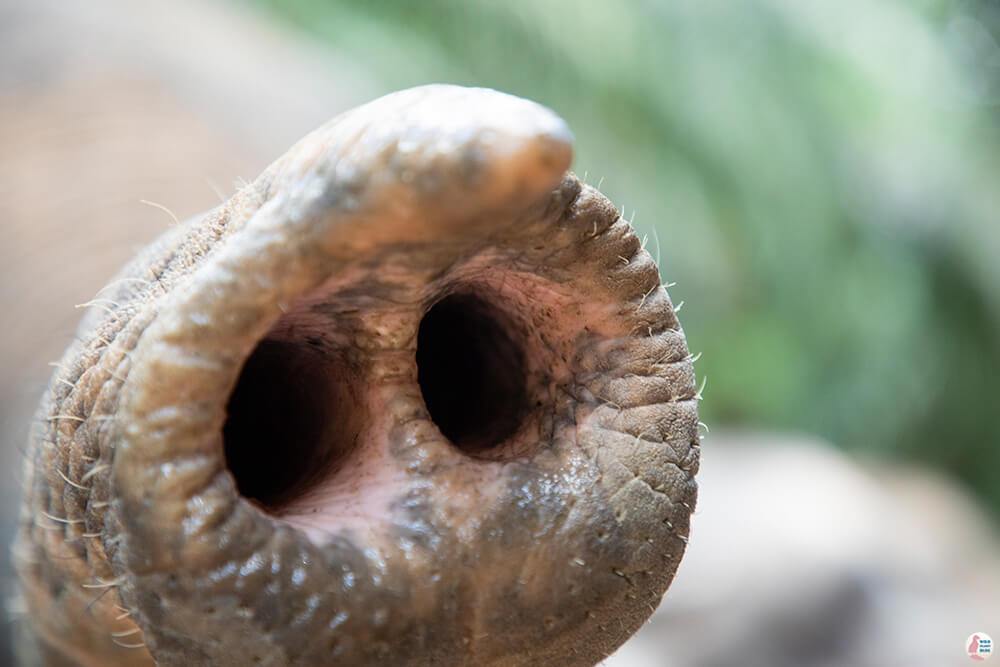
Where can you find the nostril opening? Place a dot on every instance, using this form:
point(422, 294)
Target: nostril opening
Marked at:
point(291, 420)
point(471, 372)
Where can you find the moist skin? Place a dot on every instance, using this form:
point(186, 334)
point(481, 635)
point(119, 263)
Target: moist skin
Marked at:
point(415, 394)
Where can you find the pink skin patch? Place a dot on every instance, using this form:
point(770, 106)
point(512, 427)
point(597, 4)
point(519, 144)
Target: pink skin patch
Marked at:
point(349, 477)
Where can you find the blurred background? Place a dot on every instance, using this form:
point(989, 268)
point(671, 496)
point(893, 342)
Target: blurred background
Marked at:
point(820, 180)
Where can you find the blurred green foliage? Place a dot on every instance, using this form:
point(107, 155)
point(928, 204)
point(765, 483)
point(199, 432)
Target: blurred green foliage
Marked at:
point(821, 179)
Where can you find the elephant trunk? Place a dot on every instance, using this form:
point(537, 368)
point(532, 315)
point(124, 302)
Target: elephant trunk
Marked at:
point(414, 395)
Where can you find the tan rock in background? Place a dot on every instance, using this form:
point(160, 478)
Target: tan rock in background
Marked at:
point(802, 557)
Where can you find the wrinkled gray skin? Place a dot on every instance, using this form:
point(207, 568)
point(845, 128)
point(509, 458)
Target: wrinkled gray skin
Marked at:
point(413, 396)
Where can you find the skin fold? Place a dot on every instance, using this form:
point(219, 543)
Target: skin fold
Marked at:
point(414, 396)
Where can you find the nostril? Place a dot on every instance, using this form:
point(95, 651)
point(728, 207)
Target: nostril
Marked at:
point(471, 372)
point(291, 420)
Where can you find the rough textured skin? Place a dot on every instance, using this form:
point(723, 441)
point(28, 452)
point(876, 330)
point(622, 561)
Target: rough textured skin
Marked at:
point(546, 533)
